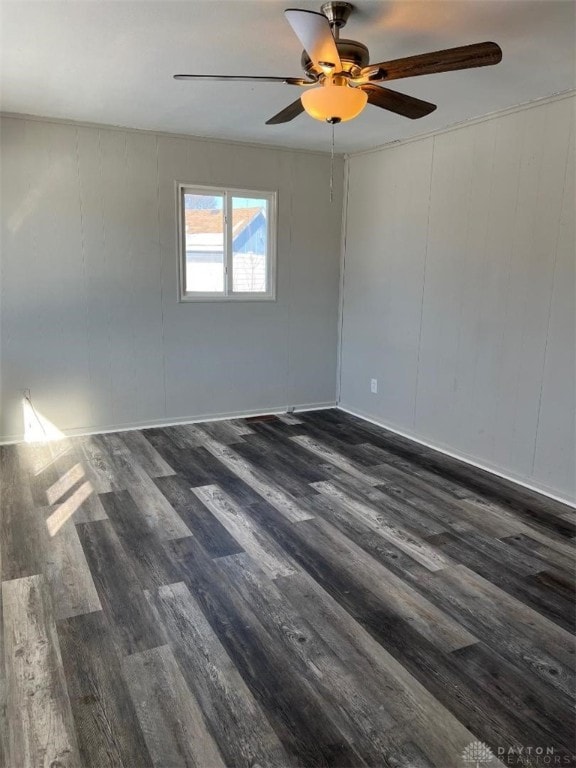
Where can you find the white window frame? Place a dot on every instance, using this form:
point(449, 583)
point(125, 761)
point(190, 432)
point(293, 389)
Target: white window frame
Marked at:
point(227, 193)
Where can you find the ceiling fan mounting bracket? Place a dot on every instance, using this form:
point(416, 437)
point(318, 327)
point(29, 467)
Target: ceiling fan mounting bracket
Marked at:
point(337, 13)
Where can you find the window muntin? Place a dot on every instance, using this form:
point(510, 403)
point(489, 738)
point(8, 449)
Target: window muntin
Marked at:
point(227, 244)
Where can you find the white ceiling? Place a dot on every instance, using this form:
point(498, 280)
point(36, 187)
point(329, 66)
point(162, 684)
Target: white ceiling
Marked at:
point(112, 62)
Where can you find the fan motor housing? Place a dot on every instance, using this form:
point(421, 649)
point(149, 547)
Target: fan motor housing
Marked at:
point(352, 54)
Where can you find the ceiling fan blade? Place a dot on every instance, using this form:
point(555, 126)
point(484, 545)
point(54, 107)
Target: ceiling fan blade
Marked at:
point(314, 32)
point(407, 106)
point(247, 79)
point(287, 114)
point(464, 57)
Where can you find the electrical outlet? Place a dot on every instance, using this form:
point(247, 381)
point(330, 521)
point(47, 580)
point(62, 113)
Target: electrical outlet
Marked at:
point(374, 386)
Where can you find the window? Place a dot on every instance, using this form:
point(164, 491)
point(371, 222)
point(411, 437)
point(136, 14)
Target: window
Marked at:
point(227, 244)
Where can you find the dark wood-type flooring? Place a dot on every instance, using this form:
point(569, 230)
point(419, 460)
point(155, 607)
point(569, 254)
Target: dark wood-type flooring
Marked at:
point(305, 590)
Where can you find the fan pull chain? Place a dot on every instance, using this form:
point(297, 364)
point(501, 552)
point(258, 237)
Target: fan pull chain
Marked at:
point(332, 168)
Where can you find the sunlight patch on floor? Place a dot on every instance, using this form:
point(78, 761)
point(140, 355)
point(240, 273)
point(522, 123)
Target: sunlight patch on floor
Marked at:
point(65, 483)
point(65, 510)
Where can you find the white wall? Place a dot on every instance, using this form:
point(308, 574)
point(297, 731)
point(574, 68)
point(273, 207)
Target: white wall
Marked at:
point(90, 318)
point(459, 292)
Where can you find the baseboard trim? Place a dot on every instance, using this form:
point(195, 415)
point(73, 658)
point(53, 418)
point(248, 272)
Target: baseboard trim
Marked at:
point(542, 490)
point(127, 426)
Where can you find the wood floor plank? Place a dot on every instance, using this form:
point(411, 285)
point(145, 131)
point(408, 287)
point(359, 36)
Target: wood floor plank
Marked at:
point(410, 754)
point(97, 465)
point(540, 716)
point(253, 539)
point(20, 540)
point(412, 515)
point(239, 426)
point(490, 719)
point(66, 569)
point(170, 717)
point(80, 506)
point(444, 735)
point(142, 548)
point(119, 589)
point(33, 457)
point(87, 505)
point(223, 432)
point(289, 418)
point(242, 731)
point(557, 582)
point(530, 505)
point(564, 548)
point(145, 454)
point(331, 456)
point(161, 517)
point(108, 730)
point(4, 754)
point(69, 473)
point(73, 489)
point(345, 569)
point(367, 715)
point(182, 460)
point(42, 479)
point(65, 481)
point(383, 522)
point(202, 524)
point(20, 523)
point(438, 505)
point(555, 640)
point(218, 473)
point(370, 540)
point(275, 468)
point(125, 468)
point(383, 590)
point(513, 629)
point(131, 476)
point(548, 555)
point(552, 638)
point(41, 726)
point(286, 454)
point(316, 423)
point(307, 726)
point(518, 580)
point(184, 436)
point(496, 549)
point(487, 514)
point(286, 504)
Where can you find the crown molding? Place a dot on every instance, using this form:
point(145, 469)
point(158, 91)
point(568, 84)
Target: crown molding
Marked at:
point(466, 123)
point(165, 134)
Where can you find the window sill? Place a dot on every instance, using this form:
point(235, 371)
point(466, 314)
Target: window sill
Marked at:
point(203, 298)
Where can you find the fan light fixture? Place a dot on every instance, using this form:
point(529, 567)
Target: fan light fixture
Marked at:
point(334, 101)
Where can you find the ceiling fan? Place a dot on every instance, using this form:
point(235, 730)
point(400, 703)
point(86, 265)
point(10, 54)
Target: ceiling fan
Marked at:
point(339, 80)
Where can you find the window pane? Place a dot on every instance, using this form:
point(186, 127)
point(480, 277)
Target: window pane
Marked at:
point(204, 217)
point(249, 244)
